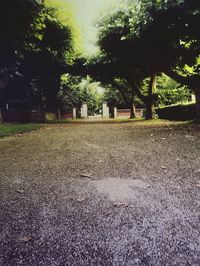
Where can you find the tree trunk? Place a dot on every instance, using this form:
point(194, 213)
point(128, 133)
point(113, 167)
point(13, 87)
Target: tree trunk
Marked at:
point(197, 96)
point(132, 110)
point(150, 111)
point(59, 114)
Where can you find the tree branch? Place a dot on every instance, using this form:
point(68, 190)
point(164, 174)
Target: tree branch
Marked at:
point(192, 81)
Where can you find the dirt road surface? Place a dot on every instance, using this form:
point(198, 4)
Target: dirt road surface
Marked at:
point(101, 194)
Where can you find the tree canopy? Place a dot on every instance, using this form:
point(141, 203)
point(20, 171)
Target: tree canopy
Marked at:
point(35, 45)
point(151, 37)
point(40, 42)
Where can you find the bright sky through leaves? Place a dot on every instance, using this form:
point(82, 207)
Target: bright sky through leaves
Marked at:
point(87, 14)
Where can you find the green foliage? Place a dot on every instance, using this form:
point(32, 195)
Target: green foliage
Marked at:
point(63, 13)
point(168, 91)
point(50, 116)
point(39, 42)
point(153, 34)
point(35, 48)
point(75, 91)
point(91, 95)
point(70, 95)
point(150, 37)
point(120, 94)
point(113, 97)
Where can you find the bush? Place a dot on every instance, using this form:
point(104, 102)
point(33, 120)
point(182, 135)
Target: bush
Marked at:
point(177, 112)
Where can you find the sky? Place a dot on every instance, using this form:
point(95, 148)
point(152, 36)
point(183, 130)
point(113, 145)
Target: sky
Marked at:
point(87, 13)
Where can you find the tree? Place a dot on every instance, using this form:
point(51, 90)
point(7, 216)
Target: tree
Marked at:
point(75, 91)
point(69, 95)
point(172, 41)
point(91, 95)
point(35, 46)
point(121, 46)
point(155, 37)
point(120, 94)
point(170, 92)
point(115, 73)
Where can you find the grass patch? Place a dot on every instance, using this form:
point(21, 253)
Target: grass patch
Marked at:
point(11, 129)
point(90, 120)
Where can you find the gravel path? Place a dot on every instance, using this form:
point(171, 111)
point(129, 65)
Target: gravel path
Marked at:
point(101, 194)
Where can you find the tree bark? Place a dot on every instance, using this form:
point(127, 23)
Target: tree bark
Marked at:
point(197, 96)
point(132, 110)
point(150, 111)
point(59, 114)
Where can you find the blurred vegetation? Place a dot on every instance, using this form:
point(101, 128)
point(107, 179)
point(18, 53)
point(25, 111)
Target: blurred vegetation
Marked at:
point(76, 90)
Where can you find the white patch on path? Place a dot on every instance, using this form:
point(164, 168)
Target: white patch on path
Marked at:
point(118, 189)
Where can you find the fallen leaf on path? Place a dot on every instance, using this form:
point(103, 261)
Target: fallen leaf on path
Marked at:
point(86, 175)
point(189, 137)
point(81, 199)
point(17, 182)
point(26, 238)
point(20, 191)
point(121, 204)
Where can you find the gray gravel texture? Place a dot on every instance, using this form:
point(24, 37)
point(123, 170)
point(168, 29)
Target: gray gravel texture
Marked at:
point(101, 194)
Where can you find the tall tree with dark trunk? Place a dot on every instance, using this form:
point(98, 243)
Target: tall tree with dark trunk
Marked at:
point(116, 73)
point(173, 39)
point(34, 48)
point(150, 99)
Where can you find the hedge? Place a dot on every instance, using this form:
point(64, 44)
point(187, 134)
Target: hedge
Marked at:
point(177, 112)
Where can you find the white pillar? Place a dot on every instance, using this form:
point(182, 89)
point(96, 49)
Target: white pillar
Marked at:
point(84, 111)
point(74, 113)
point(115, 112)
point(105, 110)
